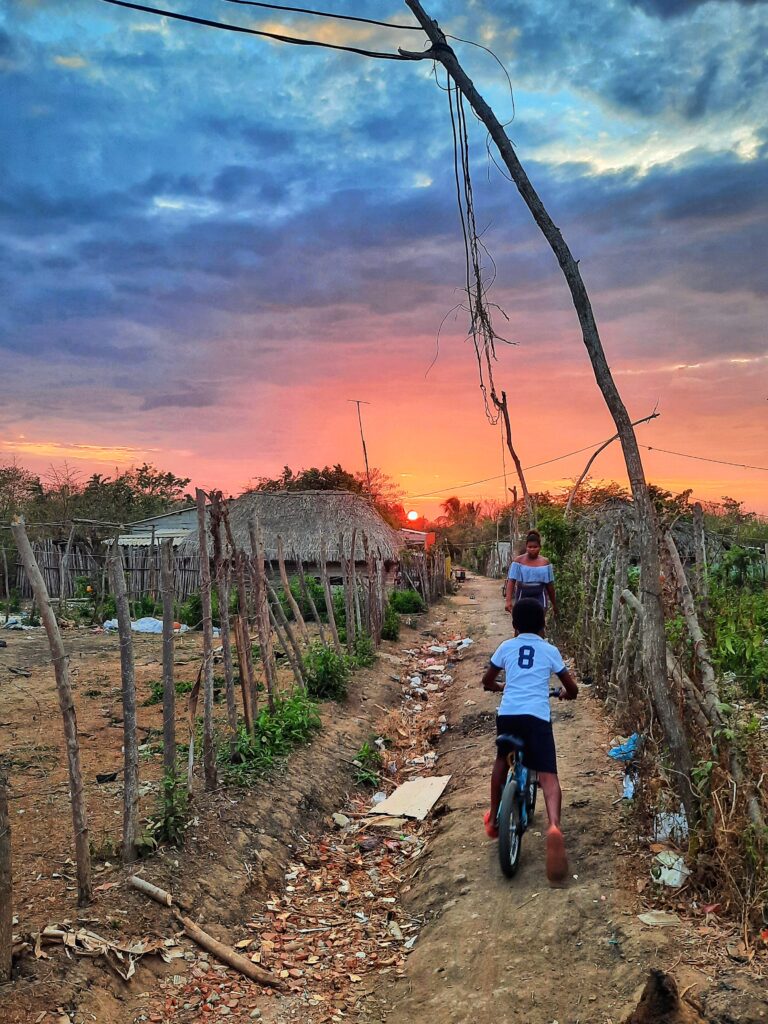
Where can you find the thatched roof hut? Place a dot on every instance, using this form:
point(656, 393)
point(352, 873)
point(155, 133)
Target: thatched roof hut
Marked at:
point(302, 519)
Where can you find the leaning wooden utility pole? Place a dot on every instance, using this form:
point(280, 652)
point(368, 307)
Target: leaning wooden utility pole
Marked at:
point(654, 645)
point(66, 704)
point(128, 681)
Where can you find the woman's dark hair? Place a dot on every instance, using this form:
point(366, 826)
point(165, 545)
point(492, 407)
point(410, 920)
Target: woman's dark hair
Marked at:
point(528, 616)
point(533, 535)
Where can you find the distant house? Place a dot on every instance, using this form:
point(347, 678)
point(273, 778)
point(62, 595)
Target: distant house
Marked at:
point(421, 540)
point(304, 520)
point(175, 526)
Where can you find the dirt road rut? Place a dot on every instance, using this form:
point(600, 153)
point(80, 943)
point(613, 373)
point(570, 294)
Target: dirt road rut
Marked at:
point(521, 951)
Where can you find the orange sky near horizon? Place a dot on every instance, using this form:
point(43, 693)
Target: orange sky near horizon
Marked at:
point(430, 435)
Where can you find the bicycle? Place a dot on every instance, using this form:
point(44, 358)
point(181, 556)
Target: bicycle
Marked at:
point(518, 801)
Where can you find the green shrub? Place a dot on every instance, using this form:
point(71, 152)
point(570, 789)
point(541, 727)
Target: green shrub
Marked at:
point(326, 672)
point(14, 600)
point(390, 629)
point(314, 588)
point(171, 819)
point(367, 762)
point(147, 607)
point(407, 602)
point(364, 652)
point(181, 686)
point(293, 722)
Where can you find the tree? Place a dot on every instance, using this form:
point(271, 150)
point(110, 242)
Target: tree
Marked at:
point(654, 637)
point(19, 488)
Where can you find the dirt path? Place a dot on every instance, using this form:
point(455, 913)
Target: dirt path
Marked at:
point(520, 950)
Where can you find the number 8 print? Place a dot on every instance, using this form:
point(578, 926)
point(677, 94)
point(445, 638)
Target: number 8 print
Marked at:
point(525, 656)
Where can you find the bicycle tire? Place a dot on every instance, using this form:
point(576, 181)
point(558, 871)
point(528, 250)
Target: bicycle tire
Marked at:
point(510, 830)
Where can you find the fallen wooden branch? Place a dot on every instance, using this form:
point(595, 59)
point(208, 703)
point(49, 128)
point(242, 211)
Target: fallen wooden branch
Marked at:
point(228, 956)
point(153, 891)
point(206, 941)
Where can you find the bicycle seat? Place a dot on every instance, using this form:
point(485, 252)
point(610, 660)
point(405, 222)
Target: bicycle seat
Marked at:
point(506, 743)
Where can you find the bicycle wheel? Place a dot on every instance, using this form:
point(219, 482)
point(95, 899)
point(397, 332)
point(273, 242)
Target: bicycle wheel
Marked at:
point(531, 790)
point(510, 830)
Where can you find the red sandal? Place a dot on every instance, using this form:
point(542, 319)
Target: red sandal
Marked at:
point(490, 829)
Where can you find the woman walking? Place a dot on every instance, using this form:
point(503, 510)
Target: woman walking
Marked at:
point(531, 575)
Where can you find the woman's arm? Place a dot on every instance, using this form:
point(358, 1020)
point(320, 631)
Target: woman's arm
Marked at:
point(509, 599)
point(550, 588)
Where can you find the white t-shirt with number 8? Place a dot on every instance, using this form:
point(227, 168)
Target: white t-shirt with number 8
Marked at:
point(528, 661)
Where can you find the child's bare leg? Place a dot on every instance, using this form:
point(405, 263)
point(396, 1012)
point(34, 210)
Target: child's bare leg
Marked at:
point(553, 796)
point(498, 776)
point(557, 862)
point(497, 783)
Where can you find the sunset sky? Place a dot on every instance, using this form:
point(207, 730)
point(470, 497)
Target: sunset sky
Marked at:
point(210, 242)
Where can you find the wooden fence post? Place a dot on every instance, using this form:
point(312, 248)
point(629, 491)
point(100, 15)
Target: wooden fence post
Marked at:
point(310, 601)
point(222, 589)
point(63, 686)
point(349, 608)
point(242, 630)
point(700, 549)
point(6, 883)
point(209, 747)
point(328, 598)
point(128, 680)
point(169, 684)
point(292, 604)
point(261, 600)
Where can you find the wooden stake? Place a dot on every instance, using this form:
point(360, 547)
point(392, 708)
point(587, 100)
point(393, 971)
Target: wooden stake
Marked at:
point(169, 683)
point(243, 632)
point(209, 749)
point(6, 883)
point(66, 704)
point(222, 589)
point(310, 601)
point(329, 598)
point(228, 956)
point(700, 549)
point(298, 617)
point(128, 680)
point(262, 611)
point(284, 633)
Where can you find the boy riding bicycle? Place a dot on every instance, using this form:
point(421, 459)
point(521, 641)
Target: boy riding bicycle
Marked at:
point(528, 661)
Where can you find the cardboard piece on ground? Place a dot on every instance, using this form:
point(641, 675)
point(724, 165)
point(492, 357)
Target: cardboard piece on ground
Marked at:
point(414, 799)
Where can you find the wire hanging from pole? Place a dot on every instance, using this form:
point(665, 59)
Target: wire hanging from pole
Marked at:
point(481, 329)
point(336, 17)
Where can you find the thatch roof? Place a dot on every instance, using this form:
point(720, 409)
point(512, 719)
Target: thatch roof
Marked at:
point(302, 518)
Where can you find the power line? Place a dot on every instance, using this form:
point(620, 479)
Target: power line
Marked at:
point(295, 40)
point(702, 458)
point(591, 447)
point(326, 14)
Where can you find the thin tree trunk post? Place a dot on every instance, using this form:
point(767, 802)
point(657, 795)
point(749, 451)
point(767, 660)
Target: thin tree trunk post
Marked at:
point(292, 603)
point(504, 411)
point(128, 680)
point(169, 683)
point(246, 671)
point(209, 747)
point(66, 704)
point(353, 582)
point(263, 624)
point(6, 883)
point(700, 549)
point(243, 632)
point(368, 587)
point(593, 456)
point(329, 598)
point(310, 601)
point(65, 588)
point(7, 583)
point(222, 589)
point(654, 646)
point(349, 614)
point(288, 639)
point(285, 635)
